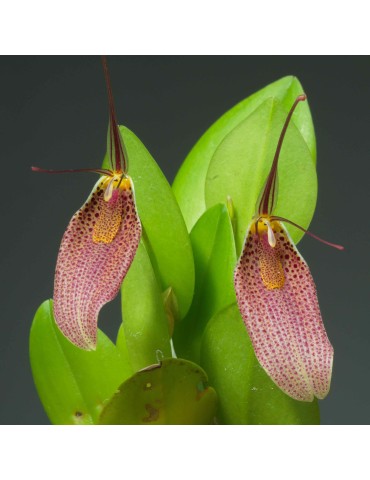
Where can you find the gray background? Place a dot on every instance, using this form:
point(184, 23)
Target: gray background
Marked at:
point(54, 115)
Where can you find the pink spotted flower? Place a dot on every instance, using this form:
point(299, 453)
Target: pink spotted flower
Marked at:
point(277, 298)
point(99, 244)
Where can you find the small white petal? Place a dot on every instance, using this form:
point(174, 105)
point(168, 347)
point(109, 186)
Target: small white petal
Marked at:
point(270, 234)
point(109, 190)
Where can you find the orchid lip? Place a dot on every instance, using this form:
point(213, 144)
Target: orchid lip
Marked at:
point(277, 299)
point(96, 252)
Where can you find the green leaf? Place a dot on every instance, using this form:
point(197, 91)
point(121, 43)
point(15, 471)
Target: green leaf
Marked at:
point(213, 244)
point(174, 392)
point(145, 326)
point(164, 231)
point(73, 384)
point(190, 181)
point(246, 393)
point(242, 161)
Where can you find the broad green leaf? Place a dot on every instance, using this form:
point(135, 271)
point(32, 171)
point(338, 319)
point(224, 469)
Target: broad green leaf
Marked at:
point(189, 183)
point(145, 326)
point(174, 392)
point(73, 384)
point(246, 393)
point(213, 244)
point(242, 161)
point(164, 231)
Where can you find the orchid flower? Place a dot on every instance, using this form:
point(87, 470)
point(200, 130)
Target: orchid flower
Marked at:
point(99, 244)
point(277, 298)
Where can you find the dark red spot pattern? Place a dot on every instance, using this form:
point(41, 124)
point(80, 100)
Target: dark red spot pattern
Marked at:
point(285, 324)
point(89, 273)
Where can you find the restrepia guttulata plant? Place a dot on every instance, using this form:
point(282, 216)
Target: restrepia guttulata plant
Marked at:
point(99, 244)
point(249, 333)
point(277, 298)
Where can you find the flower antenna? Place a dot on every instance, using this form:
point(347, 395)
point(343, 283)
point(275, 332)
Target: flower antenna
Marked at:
point(268, 199)
point(330, 244)
point(116, 151)
point(101, 171)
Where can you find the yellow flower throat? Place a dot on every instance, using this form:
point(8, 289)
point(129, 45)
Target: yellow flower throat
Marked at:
point(110, 214)
point(270, 264)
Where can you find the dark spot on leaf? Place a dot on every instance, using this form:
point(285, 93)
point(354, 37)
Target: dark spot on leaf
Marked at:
point(153, 413)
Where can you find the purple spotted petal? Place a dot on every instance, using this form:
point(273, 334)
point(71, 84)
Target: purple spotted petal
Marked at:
point(96, 252)
point(277, 299)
